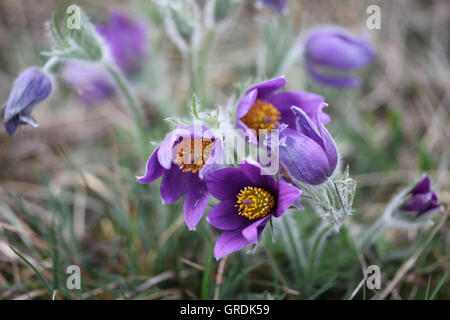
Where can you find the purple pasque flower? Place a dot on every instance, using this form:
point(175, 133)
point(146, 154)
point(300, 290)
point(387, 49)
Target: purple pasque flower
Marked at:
point(127, 40)
point(332, 54)
point(421, 199)
point(249, 198)
point(262, 107)
point(308, 153)
point(90, 80)
point(31, 87)
point(278, 5)
point(184, 159)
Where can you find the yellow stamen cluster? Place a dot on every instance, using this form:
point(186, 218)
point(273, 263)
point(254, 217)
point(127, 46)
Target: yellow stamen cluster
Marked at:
point(262, 115)
point(192, 154)
point(254, 203)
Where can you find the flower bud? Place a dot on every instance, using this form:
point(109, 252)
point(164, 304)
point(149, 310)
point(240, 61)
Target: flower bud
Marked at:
point(31, 87)
point(331, 55)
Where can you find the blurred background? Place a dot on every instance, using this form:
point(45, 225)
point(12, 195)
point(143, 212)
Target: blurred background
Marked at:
point(68, 193)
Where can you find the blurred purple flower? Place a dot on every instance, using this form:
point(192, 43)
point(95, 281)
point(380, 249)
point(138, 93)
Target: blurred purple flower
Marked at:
point(31, 87)
point(278, 5)
point(92, 82)
point(184, 158)
point(308, 154)
point(263, 108)
point(248, 200)
point(331, 54)
point(421, 199)
point(127, 40)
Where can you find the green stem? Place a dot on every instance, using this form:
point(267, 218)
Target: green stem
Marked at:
point(316, 249)
point(51, 64)
point(198, 64)
point(371, 234)
point(297, 253)
point(132, 103)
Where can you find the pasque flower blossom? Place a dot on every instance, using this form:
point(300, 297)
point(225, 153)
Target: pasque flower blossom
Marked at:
point(308, 153)
point(278, 5)
point(184, 159)
point(127, 40)
point(264, 108)
point(421, 199)
point(332, 54)
point(31, 87)
point(248, 200)
point(91, 81)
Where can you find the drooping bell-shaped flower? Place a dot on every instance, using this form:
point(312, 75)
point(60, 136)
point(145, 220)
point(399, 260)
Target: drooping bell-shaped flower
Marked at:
point(308, 153)
point(184, 159)
point(31, 87)
point(332, 55)
point(127, 39)
point(262, 107)
point(249, 198)
point(421, 199)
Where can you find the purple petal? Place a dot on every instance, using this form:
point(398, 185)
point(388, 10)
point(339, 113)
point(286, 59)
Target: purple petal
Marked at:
point(337, 49)
point(127, 40)
point(195, 203)
point(267, 88)
point(420, 202)
point(334, 81)
point(165, 153)
point(330, 149)
point(90, 80)
point(224, 216)
point(214, 161)
point(252, 232)
point(305, 126)
point(246, 103)
point(258, 177)
point(247, 133)
point(225, 184)
point(308, 102)
point(228, 242)
point(154, 169)
point(175, 184)
point(287, 196)
point(422, 186)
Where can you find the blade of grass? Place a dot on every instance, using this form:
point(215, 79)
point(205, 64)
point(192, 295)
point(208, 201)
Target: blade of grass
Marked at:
point(44, 282)
point(438, 287)
point(206, 276)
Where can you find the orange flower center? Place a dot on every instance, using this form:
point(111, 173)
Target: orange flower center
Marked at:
point(262, 115)
point(192, 154)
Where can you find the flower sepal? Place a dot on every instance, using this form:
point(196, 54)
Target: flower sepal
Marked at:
point(333, 200)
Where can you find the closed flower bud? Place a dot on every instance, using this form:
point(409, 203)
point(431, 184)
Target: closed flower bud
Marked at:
point(421, 199)
point(31, 87)
point(308, 154)
point(331, 55)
